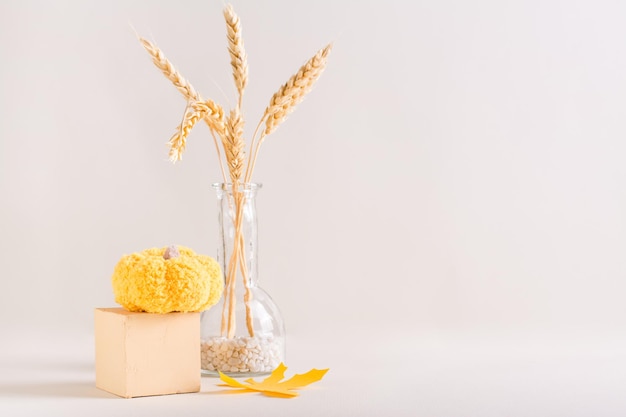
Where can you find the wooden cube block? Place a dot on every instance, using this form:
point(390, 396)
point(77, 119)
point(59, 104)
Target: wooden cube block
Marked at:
point(140, 354)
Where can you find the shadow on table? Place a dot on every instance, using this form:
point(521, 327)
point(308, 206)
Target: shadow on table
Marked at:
point(46, 365)
point(78, 389)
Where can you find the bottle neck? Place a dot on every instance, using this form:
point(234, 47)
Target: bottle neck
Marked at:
point(238, 233)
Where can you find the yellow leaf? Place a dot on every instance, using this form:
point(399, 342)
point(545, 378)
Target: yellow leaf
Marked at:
point(302, 380)
point(231, 382)
point(276, 376)
point(273, 387)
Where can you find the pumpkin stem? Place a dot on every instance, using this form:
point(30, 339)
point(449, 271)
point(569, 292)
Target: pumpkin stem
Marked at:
point(171, 252)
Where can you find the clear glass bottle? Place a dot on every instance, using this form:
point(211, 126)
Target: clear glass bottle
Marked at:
point(244, 334)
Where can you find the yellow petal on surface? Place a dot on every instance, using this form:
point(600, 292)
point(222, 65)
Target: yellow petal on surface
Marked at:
point(275, 377)
point(232, 382)
point(302, 380)
point(288, 394)
point(277, 374)
point(272, 386)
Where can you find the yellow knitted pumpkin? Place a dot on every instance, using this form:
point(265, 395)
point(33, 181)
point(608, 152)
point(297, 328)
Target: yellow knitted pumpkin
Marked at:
point(163, 280)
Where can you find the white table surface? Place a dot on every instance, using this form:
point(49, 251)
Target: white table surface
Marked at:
point(369, 376)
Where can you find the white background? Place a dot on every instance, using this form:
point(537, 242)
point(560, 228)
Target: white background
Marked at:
point(456, 178)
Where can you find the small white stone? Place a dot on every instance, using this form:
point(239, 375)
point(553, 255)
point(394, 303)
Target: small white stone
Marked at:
point(241, 354)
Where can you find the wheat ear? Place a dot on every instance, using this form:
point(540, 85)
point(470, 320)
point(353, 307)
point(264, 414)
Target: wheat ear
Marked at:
point(238, 57)
point(195, 111)
point(284, 101)
point(169, 71)
point(185, 88)
point(233, 143)
point(291, 93)
point(178, 142)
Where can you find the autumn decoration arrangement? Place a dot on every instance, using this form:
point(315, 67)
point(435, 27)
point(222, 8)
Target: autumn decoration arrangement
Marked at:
point(153, 344)
point(237, 158)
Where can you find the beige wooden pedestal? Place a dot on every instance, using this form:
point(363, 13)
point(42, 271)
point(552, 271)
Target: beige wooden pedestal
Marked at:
point(141, 354)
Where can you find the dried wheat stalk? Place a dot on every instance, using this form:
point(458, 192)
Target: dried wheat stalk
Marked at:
point(234, 143)
point(178, 141)
point(235, 156)
point(207, 110)
point(248, 295)
point(284, 101)
point(230, 131)
point(238, 57)
point(187, 90)
point(169, 71)
point(291, 93)
point(234, 146)
point(215, 113)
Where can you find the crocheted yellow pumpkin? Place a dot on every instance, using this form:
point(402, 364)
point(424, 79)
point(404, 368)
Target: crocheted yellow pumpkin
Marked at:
point(163, 280)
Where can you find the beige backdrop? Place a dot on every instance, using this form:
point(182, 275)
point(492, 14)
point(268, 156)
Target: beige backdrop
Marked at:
point(457, 170)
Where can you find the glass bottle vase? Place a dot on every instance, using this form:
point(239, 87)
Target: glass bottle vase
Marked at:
point(244, 334)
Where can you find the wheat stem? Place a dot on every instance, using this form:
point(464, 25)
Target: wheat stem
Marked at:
point(256, 152)
point(219, 154)
point(248, 295)
point(232, 266)
point(248, 173)
point(234, 149)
